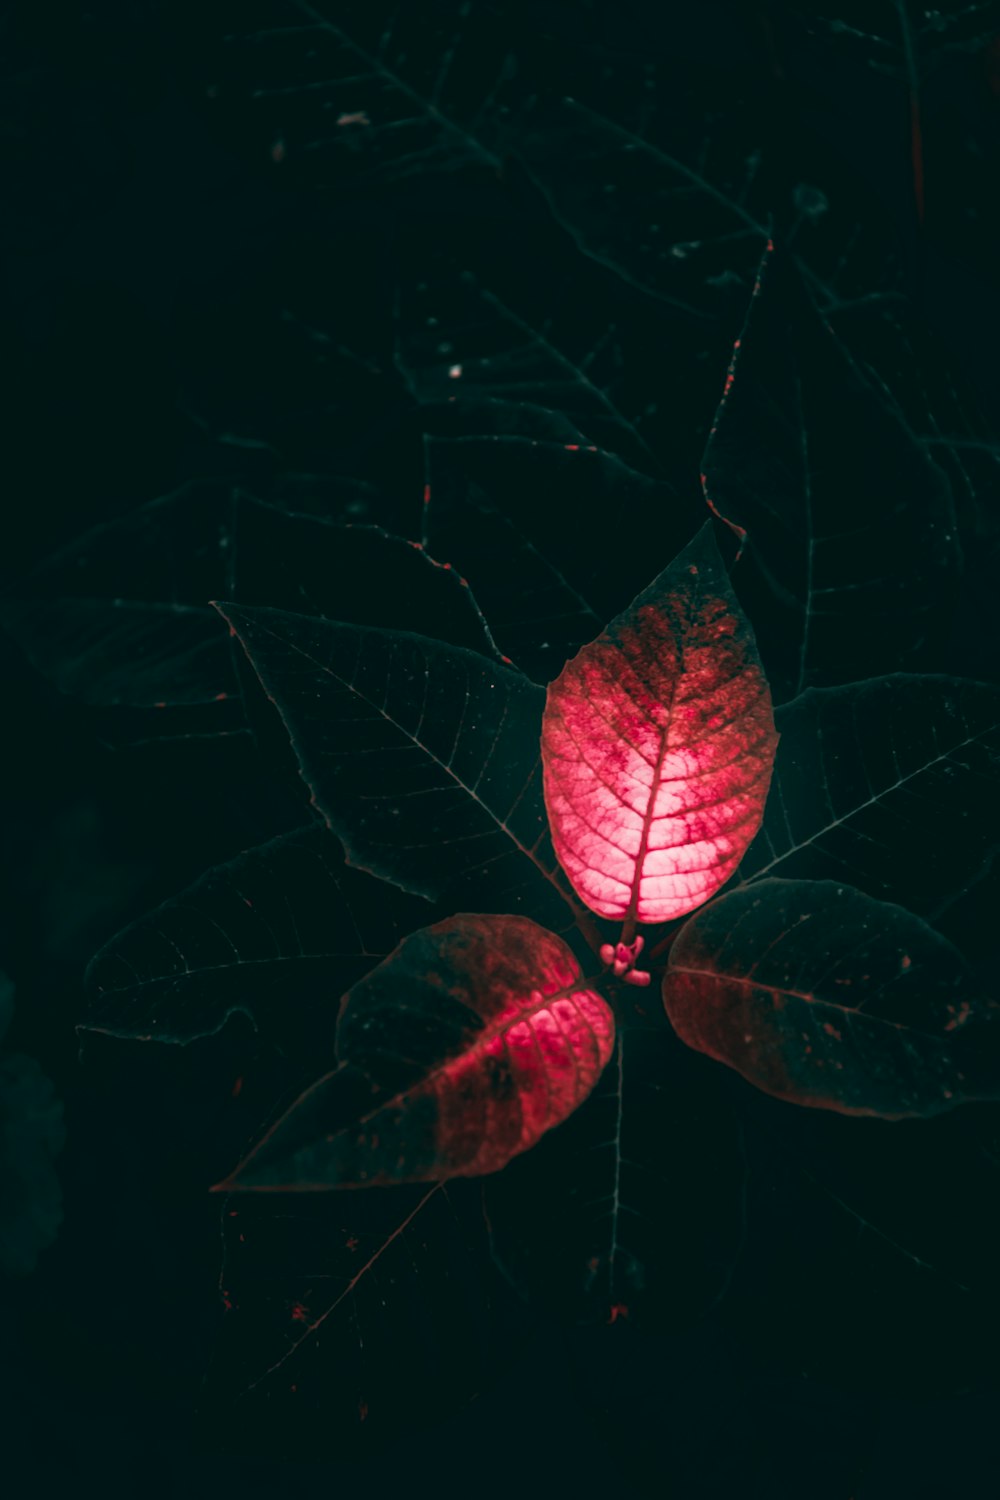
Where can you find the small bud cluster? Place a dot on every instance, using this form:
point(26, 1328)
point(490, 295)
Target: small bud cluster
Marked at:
point(621, 957)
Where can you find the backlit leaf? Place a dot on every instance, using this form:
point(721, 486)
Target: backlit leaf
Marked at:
point(657, 742)
point(458, 1052)
point(822, 996)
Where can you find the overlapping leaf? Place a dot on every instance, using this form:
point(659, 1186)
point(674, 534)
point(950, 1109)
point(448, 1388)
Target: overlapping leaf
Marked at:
point(277, 934)
point(422, 757)
point(470, 1041)
point(821, 995)
point(657, 742)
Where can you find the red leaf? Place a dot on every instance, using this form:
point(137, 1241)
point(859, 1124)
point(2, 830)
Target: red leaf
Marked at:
point(819, 994)
point(657, 746)
point(473, 1038)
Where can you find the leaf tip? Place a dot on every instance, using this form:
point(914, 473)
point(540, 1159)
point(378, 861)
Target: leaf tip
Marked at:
point(229, 612)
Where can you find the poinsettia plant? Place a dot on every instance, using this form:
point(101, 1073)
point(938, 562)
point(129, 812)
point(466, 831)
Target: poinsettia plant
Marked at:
point(638, 801)
point(525, 922)
point(478, 1034)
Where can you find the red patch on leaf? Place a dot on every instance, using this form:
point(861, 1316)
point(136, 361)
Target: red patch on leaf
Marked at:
point(798, 985)
point(460, 1050)
point(657, 744)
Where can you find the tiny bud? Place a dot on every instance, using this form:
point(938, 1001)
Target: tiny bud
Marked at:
point(637, 976)
point(607, 953)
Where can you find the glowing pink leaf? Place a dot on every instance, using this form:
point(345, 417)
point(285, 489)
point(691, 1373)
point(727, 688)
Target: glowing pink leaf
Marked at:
point(657, 745)
point(460, 1050)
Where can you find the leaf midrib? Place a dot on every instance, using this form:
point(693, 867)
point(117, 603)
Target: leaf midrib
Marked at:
point(848, 1012)
point(489, 1033)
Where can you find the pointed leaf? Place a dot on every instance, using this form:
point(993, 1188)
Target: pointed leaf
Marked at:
point(657, 742)
point(277, 934)
point(422, 757)
point(459, 1051)
point(821, 995)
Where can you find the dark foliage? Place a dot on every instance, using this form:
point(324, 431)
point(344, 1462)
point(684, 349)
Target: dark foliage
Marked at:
point(370, 361)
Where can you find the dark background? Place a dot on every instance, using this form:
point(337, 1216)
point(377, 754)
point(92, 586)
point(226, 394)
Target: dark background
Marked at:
point(175, 251)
